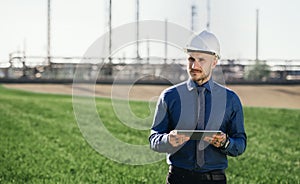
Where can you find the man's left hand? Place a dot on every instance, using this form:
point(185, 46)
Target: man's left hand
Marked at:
point(217, 140)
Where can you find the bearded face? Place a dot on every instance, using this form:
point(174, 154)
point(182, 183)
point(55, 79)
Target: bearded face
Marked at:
point(200, 66)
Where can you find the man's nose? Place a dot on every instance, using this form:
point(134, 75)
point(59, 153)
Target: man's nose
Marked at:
point(196, 64)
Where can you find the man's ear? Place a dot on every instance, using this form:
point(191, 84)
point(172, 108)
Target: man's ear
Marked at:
point(214, 63)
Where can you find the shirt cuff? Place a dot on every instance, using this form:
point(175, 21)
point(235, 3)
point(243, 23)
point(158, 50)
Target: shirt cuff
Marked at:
point(165, 140)
point(229, 147)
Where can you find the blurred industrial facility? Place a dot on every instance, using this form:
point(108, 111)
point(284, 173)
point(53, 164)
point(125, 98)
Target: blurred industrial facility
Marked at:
point(22, 68)
point(141, 69)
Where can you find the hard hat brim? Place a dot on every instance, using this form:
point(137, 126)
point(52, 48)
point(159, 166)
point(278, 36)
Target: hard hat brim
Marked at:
point(202, 51)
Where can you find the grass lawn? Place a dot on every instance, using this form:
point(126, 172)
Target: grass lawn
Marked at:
point(40, 142)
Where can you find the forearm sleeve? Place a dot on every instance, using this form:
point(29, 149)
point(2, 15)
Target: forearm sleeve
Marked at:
point(160, 143)
point(237, 134)
point(159, 131)
point(236, 147)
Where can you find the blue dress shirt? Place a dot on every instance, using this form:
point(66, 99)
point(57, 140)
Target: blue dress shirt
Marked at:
point(177, 108)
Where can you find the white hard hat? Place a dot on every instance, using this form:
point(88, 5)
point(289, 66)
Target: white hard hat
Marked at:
point(205, 42)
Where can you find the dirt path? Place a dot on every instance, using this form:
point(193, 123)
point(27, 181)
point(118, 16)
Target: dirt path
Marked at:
point(251, 95)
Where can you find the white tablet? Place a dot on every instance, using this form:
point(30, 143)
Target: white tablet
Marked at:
point(197, 134)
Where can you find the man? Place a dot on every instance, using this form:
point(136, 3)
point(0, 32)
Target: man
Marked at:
point(198, 104)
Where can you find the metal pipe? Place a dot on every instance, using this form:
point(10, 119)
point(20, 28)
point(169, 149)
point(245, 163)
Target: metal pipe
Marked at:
point(137, 28)
point(49, 33)
point(257, 28)
point(208, 16)
point(110, 32)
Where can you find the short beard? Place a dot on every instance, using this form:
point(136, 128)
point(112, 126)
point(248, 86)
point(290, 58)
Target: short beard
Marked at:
point(202, 79)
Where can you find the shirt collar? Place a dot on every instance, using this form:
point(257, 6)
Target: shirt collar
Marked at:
point(193, 85)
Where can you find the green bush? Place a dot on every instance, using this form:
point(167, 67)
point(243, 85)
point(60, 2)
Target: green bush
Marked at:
point(260, 71)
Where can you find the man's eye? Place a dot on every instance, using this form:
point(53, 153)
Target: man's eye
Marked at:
point(191, 59)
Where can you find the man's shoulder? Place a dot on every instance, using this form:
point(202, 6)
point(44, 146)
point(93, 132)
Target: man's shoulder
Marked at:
point(174, 90)
point(176, 87)
point(229, 92)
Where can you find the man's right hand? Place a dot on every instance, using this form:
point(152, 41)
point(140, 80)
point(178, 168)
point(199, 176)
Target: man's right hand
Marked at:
point(177, 139)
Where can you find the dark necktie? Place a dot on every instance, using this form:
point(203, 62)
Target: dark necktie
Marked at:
point(200, 125)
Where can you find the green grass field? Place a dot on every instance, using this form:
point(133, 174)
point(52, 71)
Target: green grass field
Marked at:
point(40, 142)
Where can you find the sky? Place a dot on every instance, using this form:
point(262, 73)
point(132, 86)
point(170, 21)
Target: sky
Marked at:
point(76, 24)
